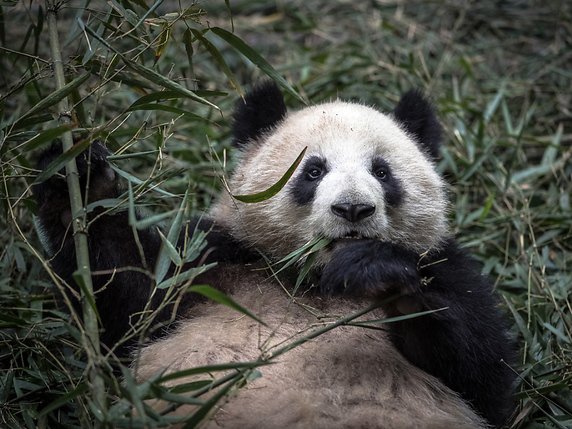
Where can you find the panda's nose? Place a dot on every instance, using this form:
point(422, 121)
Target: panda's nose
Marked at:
point(353, 212)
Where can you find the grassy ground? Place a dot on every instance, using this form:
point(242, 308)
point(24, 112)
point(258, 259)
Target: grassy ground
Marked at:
point(500, 74)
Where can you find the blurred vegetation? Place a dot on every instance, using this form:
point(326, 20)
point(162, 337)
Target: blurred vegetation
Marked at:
point(156, 82)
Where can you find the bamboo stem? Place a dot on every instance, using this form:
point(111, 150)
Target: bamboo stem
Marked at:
point(79, 222)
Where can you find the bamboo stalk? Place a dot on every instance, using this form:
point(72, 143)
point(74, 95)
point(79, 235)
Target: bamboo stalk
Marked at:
point(90, 333)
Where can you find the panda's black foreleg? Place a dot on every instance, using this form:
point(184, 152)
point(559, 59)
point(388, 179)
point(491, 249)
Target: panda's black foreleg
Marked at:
point(120, 259)
point(465, 344)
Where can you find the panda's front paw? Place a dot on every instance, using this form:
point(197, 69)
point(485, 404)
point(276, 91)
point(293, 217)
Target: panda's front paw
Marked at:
point(92, 160)
point(52, 194)
point(370, 268)
point(95, 159)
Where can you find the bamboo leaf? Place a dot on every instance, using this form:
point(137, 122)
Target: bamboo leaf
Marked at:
point(207, 369)
point(149, 73)
point(188, 41)
point(45, 137)
point(171, 109)
point(203, 411)
point(217, 296)
point(55, 97)
point(309, 248)
point(274, 189)
point(155, 96)
point(256, 59)
point(494, 103)
point(168, 251)
point(216, 55)
point(165, 82)
point(186, 276)
point(132, 179)
point(65, 399)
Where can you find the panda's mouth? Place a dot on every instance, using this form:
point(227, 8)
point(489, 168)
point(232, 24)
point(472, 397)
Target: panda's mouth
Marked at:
point(346, 236)
point(353, 235)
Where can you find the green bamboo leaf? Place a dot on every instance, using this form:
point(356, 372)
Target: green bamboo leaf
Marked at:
point(65, 399)
point(127, 14)
point(155, 96)
point(29, 122)
point(107, 203)
point(307, 249)
point(551, 152)
point(203, 411)
point(188, 41)
point(148, 221)
point(161, 80)
point(216, 55)
point(208, 369)
point(187, 387)
point(494, 103)
point(557, 332)
point(45, 137)
point(256, 59)
point(150, 11)
point(374, 323)
point(274, 189)
point(186, 276)
point(171, 252)
point(148, 73)
point(168, 251)
point(132, 179)
point(217, 296)
point(531, 173)
point(195, 246)
point(163, 108)
point(55, 97)
point(227, 3)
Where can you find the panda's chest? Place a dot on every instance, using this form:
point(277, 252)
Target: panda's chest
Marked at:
point(347, 376)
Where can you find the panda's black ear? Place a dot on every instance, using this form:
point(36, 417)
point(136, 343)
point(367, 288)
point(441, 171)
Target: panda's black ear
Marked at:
point(417, 115)
point(261, 109)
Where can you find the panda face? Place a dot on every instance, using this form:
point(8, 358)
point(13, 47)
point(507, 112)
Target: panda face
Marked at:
point(362, 176)
point(348, 184)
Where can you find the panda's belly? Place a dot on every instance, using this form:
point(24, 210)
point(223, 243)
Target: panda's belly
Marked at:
point(348, 377)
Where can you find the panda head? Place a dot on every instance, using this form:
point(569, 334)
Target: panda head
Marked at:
point(364, 174)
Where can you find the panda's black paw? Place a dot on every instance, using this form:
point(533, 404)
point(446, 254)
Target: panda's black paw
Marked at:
point(52, 194)
point(370, 268)
point(95, 158)
point(92, 160)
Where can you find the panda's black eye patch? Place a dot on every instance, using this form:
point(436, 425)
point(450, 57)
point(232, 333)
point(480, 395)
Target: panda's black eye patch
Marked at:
point(304, 186)
point(392, 188)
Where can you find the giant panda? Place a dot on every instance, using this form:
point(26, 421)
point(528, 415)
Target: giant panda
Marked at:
point(368, 185)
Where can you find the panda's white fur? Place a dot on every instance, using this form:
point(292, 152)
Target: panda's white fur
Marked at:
point(348, 136)
point(350, 377)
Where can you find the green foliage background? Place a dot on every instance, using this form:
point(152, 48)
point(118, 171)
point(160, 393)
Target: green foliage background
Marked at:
point(500, 73)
